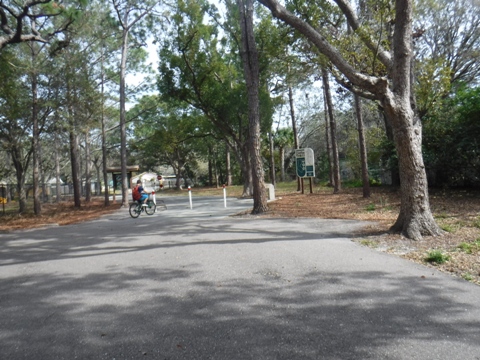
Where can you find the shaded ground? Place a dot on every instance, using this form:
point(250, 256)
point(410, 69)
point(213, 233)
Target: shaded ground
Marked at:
point(457, 212)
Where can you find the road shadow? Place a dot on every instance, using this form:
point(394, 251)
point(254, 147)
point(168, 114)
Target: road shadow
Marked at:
point(324, 315)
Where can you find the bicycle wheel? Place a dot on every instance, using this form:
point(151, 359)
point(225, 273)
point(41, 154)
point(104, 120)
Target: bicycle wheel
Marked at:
point(161, 205)
point(150, 208)
point(134, 210)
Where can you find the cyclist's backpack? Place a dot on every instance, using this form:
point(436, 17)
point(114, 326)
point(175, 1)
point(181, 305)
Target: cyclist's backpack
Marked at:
point(136, 194)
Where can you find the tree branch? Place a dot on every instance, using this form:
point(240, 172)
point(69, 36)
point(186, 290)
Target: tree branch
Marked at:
point(375, 85)
point(383, 55)
point(17, 36)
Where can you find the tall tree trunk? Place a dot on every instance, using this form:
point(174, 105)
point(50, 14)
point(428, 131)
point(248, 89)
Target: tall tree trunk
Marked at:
point(123, 128)
point(43, 180)
point(252, 79)
point(327, 141)
point(104, 139)
point(228, 166)
point(246, 167)
point(282, 163)
point(88, 175)
point(333, 133)
point(98, 172)
point(415, 218)
point(210, 166)
point(178, 176)
point(294, 126)
point(215, 166)
point(57, 168)
point(37, 204)
point(272, 159)
point(74, 157)
point(124, 10)
point(362, 147)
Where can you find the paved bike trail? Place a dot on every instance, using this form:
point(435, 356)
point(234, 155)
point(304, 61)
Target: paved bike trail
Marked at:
point(198, 284)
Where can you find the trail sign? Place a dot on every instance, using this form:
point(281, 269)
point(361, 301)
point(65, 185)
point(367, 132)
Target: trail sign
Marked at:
point(305, 162)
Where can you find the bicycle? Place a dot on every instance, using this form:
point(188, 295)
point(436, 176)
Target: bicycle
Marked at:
point(136, 208)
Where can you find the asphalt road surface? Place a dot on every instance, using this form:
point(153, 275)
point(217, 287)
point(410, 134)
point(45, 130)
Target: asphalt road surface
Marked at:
point(198, 284)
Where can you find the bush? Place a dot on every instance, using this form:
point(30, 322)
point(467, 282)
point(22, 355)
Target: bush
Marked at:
point(437, 257)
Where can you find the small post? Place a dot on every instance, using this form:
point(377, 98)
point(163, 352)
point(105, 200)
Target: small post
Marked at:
point(311, 186)
point(190, 197)
point(224, 196)
point(3, 197)
point(154, 200)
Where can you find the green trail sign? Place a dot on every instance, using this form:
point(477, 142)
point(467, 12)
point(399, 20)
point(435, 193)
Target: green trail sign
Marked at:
point(305, 162)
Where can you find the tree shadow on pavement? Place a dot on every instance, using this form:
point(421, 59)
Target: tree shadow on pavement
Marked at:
point(91, 292)
point(133, 312)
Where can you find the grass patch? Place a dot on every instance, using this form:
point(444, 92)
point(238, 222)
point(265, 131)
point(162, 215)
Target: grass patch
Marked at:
point(465, 247)
point(470, 248)
point(370, 243)
point(436, 257)
point(448, 228)
point(370, 207)
point(467, 276)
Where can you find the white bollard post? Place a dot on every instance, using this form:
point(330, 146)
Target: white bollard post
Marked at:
point(190, 197)
point(224, 196)
point(154, 200)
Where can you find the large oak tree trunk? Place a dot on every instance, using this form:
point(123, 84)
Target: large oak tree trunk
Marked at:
point(415, 218)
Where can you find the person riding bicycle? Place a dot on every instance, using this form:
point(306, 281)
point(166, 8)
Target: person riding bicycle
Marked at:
point(141, 191)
